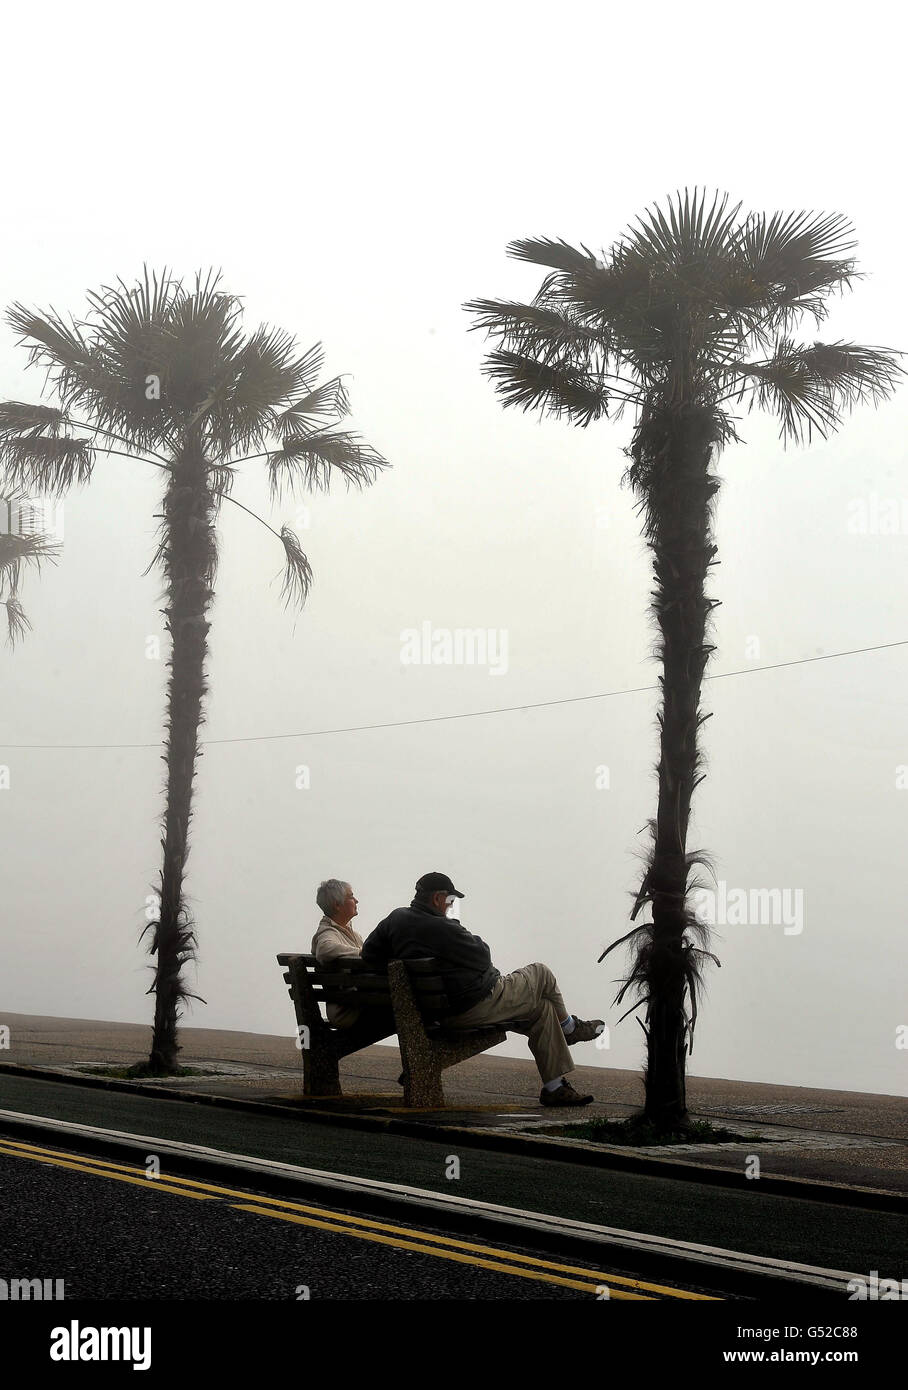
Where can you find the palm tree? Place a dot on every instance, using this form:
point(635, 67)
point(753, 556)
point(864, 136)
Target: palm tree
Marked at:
point(167, 374)
point(16, 551)
point(692, 310)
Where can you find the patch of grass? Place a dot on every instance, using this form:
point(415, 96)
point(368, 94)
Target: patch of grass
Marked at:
point(140, 1070)
point(638, 1133)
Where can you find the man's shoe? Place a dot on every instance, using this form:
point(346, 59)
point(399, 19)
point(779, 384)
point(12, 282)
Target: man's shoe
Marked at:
point(585, 1030)
point(563, 1095)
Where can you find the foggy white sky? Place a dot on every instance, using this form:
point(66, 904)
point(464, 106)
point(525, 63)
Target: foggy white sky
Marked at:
point(358, 173)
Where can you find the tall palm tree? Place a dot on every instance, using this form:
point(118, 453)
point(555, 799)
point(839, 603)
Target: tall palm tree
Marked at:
point(16, 552)
point(691, 311)
point(167, 374)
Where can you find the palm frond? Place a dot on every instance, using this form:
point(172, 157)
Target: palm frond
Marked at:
point(103, 366)
point(784, 266)
point(39, 464)
point(259, 387)
point(559, 255)
point(535, 329)
point(134, 321)
point(311, 460)
point(297, 571)
point(559, 388)
point(16, 551)
point(51, 342)
point(267, 372)
point(808, 387)
point(687, 234)
point(158, 328)
point(779, 247)
point(17, 624)
point(150, 353)
point(21, 418)
point(855, 374)
point(221, 478)
point(129, 311)
point(608, 294)
point(327, 402)
point(241, 410)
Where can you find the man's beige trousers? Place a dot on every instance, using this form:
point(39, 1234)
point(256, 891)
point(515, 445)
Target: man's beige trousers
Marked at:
point(528, 1000)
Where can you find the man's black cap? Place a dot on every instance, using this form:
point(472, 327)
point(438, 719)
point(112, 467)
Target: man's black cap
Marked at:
point(436, 883)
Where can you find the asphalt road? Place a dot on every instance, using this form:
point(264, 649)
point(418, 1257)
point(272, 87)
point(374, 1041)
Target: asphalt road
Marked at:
point(110, 1232)
point(815, 1233)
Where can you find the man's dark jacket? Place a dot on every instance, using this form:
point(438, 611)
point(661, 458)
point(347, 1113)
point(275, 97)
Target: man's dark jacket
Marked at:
point(464, 960)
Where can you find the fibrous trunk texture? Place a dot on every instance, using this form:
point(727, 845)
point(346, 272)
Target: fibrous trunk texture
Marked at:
point(671, 474)
point(189, 554)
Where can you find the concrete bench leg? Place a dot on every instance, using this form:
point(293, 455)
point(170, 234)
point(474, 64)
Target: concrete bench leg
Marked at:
point(320, 1073)
point(422, 1073)
point(422, 1084)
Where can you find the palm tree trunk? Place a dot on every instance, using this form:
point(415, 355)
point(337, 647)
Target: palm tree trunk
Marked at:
point(189, 555)
point(672, 452)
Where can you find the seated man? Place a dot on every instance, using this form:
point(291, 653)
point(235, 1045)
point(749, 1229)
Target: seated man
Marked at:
point(335, 937)
point(527, 1000)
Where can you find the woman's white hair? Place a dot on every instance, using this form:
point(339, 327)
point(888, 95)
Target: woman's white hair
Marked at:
point(331, 894)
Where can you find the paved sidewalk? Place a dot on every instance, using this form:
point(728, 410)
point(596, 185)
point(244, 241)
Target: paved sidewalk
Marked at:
point(832, 1136)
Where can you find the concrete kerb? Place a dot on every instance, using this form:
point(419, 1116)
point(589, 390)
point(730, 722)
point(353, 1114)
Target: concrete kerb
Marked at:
point(531, 1146)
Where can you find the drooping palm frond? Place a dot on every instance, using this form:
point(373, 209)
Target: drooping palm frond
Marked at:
point(17, 623)
point(312, 459)
point(297, 571)
point(38, 464)
point(15, 552)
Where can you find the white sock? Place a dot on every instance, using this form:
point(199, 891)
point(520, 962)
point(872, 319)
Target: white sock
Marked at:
point(553, 1085)
point(568, 1024)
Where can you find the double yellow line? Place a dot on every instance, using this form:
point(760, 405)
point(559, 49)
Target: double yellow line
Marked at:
point(613, 1286)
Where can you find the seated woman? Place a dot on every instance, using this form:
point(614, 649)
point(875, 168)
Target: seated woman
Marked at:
point(335, 937)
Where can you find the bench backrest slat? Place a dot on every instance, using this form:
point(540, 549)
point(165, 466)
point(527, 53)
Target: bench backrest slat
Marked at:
point(349, 979)
point(352, 981)
point(365, 998)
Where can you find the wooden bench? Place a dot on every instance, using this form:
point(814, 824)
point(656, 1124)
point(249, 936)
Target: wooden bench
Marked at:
point(409, 1000)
